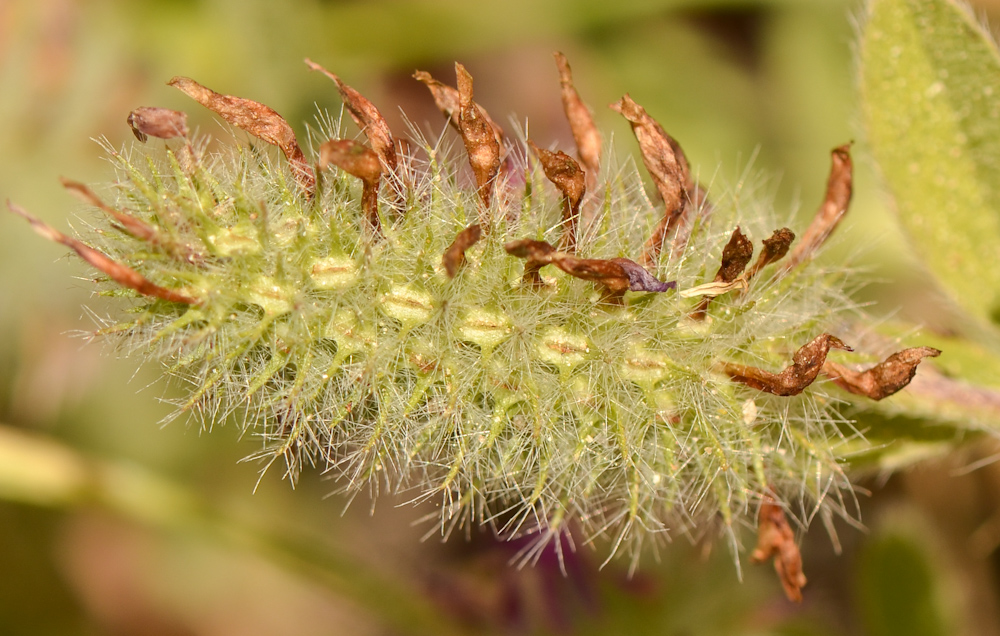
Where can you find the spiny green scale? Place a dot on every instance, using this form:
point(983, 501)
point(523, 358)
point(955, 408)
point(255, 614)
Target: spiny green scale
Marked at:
point(526, 408)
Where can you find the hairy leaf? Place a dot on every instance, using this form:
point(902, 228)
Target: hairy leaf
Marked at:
point(931, 87)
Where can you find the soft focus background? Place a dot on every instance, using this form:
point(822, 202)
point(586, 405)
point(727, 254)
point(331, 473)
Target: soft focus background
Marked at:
point(766, 85)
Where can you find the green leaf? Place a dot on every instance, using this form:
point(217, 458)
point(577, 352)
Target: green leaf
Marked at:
point(930, 77)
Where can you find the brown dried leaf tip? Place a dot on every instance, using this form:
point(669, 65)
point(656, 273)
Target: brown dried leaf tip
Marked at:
point(121, 274)
point(581, 122)
point(616, 275)
point(257, 119)
point(480, 142)
point(566, 174)
point(806, 365)
point(776, 539)
point(157, 122)
point(669, 169)
point(839, 189)
point(358, 161)
point(883, 379)
point(454, 256)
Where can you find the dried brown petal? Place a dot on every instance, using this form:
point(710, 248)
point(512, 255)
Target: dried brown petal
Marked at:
point(806, 364)
point(117, 272)
point(883, 379)
point(735, 256)
point(838, 197)
point(667, 165)
point(358, 161)
point(616, 275)
point(775, 249)
point(257, 119)
point(566, 174)
point(776, 539)
point(454, 256)
point(367, 117)
point(157, 122)
point(581, 122)
point(448, 102)
point(480, 143)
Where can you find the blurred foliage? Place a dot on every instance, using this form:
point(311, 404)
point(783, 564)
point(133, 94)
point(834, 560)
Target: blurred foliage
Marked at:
point(760, 86)
point(931, 82)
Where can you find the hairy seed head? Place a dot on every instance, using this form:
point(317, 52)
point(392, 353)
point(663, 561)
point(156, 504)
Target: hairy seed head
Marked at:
point(441, 355)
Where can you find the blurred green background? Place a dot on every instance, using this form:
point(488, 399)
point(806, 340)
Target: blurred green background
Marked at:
point(768, 85)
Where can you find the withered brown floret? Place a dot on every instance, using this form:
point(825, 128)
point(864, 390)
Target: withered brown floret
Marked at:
point(447, 100)
point(121, 274)
point(358, 161)
point(163, 123)
point(806, 365)
point(776, 539)
point(135, 227)
point(367, 117)
point(616, 275)
point(480, 142)
point(883, 379)
point(565, 173)
point(581, 122)
point(454, 256)
point(839, 187)
point(669, 169)
point(735, 256)
point(774, 250)
point(257, 119)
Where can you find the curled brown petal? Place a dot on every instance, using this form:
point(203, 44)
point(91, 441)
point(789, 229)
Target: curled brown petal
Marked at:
point(616, 275)
point(448, 102)
point(581, 122)
point(775, 249)
point(806, 365)
point(776, 539)
point(480, 143)
point(735, 256)
point(358, 161)
point(668, 167)
point(121, 274)
point(367, 117)
point(566, 174)
point(883, 379)
point(454, 256)
point(835, 204)
point(536, 253)
point(157, 122)
point(257, 119)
